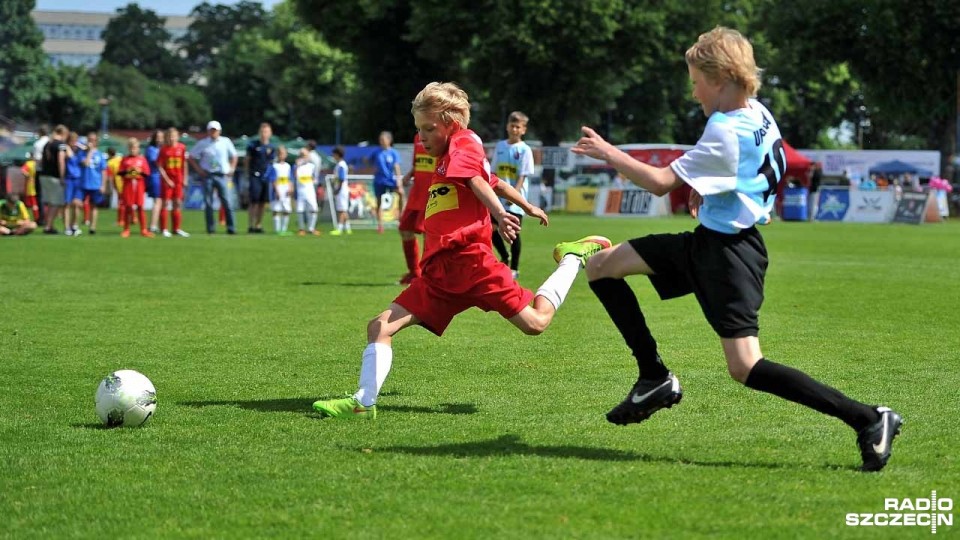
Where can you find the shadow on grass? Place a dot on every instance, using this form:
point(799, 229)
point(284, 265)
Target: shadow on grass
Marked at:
point(513, 445)
point(90, 425)
point(305, 405)
point(357, 284)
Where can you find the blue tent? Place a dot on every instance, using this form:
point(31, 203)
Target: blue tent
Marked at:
point(897, 167)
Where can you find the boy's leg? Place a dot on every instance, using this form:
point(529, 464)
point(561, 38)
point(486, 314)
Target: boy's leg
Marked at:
point(876, 427)
point(570, 257)
point(515, 248)
point(375, 366)
point(656, 387)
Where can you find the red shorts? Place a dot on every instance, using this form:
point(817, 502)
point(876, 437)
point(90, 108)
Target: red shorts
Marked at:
point(133, 192)
point(168, 193)
point(454, 282)
point(30, 201)
point(411, 220)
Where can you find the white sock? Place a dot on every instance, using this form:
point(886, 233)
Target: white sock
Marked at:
point(341, 227)
point(313, 220)
point(377, 359)
point(276, 222)
point(556, 287)
point(348, 225)
point(300, 220)
point(284, 221)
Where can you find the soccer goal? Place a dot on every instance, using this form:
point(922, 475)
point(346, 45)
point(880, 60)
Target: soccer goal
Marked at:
point(362, 207)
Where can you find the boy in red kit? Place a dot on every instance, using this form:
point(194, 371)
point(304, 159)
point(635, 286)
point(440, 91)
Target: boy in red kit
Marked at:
point(411, 220)
point(173, 170)
point(135, 170)
point(459, 270)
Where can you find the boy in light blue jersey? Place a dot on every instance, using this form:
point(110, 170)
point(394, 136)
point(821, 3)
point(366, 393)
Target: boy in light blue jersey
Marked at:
point(733, 170)
point(513, 163)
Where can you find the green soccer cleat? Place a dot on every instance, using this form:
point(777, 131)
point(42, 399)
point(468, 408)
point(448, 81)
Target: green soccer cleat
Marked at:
point(345, 408)
point(583, 248)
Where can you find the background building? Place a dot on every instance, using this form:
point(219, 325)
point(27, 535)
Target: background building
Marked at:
point(73, 38)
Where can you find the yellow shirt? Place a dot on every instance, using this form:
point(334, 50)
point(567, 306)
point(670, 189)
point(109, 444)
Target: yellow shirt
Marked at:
point(113, 167)
point(14, 216)
point(30, 171)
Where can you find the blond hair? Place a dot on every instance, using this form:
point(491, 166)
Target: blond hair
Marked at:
point(447, 100)
point(723, 54)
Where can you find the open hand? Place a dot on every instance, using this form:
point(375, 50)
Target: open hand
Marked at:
point(693, 203)
point(592, 144)
point(508, 225)
point(538, 213)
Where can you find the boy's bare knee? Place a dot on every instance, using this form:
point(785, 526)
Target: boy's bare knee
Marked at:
point(376, 328)
point(738, 372)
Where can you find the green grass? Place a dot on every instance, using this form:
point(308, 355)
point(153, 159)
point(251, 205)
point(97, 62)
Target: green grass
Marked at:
point(484, 433)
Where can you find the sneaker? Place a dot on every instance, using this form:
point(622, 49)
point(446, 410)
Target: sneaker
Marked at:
point(231, 231)
point(336, 232)
point(301, 232)
point(166, 233)
point(349, 231)
point(647, 397)
point(77, 232)
point(583, 248)
point(146, 234)
point(155, 230)
point(316, 232)
point(250, 230)
point(68, 232)
point(93, 231)
point(125, 234)
point(876, 441)
point(51, 231)
point(284, 233)
point(345, 408)
point(258, 230)
point(183, 233)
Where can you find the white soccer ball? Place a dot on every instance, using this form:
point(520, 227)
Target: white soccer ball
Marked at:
point(125, 398)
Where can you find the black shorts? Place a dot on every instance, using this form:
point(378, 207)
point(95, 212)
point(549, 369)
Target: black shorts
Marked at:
point(724, 271)
point(259, 190)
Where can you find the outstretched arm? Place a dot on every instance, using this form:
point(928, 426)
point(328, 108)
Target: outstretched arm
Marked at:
point(656, 180)
point(508, 192)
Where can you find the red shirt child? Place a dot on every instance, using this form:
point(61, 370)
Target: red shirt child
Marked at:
point(134, 169)
point(411, 220)
point(459, 268)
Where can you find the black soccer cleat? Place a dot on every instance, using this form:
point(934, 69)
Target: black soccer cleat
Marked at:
point(647, 397)
point(876, 440)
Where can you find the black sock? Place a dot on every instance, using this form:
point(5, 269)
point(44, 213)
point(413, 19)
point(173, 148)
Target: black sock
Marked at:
point(798, 387)
point(515, 254)
point(501, 248)
point(621, 304)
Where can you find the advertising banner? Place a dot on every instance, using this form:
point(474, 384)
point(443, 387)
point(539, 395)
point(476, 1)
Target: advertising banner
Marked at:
point(581, 199)
point(912, 208)
point(857, 163)
point(871, 206)
point(630, 203)
point(833, 204)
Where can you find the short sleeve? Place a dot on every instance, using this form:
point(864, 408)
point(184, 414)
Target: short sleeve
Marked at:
point(710, 167)
point(467, 159)
point(526, 162)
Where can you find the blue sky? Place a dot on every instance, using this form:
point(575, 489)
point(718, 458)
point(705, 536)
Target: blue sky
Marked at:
point(162, 7)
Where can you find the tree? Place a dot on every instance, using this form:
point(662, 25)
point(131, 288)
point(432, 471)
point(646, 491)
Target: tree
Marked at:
point(905, 55)
point(141, 103)
point(72, 100)
point(23, 65)
point(138, 38)
point(284, 73)
point(214, 26)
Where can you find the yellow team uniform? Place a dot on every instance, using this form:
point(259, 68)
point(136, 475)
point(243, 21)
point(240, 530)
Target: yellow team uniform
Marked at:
point(113, 168)
point(14, 217)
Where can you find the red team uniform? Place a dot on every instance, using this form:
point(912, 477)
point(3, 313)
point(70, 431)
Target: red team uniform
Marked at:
point(423, 167)
point(134, 170)
point(172, 159)
point(459, 268)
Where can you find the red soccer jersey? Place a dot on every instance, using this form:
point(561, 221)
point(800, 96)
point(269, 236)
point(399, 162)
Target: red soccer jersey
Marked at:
point(134, 168)
point(423, 167)
point(172, 160)
point(454, 218)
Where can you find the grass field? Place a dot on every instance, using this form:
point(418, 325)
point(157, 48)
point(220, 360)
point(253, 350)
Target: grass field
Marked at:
point(484, 433)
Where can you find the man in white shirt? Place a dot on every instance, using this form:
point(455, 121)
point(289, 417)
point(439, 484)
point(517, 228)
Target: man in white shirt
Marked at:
point(215, 159)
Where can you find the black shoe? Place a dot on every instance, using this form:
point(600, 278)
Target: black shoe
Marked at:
point(51, 231)
point(251, 230)
point(876, 441)
point(231, 231)
point(647, 397)
point(258, 230)
point(92, 231)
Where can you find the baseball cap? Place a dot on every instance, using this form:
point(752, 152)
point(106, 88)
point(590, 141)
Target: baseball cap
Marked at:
point(213, 124)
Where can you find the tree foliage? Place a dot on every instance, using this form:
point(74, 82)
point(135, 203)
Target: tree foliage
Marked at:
point(139, 102)
point(137, 38)
point(214, 25)
point(73, 98)
point(285, 73)
point(23, 65)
